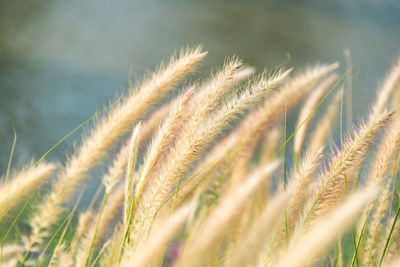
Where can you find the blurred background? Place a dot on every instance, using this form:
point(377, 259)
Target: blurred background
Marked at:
point(61, 61)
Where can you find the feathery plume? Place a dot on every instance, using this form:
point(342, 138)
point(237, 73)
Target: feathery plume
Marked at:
point(23, 183)
point(299, 184)
point(337, 180)
point(240, 74)
point(208, 98)
point(163, 141)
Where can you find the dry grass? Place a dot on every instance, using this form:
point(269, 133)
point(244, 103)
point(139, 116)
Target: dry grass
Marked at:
point(207, 190)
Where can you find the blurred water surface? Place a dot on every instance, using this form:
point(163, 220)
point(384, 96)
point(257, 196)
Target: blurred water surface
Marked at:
point(61, 61)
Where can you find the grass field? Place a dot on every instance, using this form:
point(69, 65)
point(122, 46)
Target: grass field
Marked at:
point(214, 177)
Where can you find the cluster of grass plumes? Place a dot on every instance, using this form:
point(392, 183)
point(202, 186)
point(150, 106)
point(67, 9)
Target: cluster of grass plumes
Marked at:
point(203, 180)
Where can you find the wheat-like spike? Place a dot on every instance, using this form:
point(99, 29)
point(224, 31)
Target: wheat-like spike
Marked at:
point(150, 252)
point(307, 249)
point(386, 156)
point(117, 123)
point(22, 184)
point(207, 99)
point(217, 224)
point(197, 138)
point(256, 240)
point(163, 141)
point(390, 84)
point(240, 74)
point(307, 109)
point(320, 134)
point(342, 172)
point(299, 184)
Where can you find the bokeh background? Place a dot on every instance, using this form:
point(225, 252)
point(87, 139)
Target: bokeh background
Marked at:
point(61, 61)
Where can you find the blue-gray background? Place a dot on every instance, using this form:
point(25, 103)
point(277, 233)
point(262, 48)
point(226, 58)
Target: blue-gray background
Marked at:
point(60, 61)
